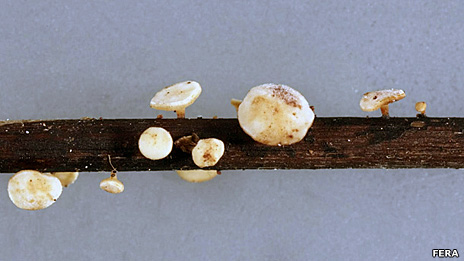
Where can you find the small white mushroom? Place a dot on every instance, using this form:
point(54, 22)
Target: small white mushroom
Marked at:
point(155, 143)
point(420, 107)
point(275, 114)
point(32, 190)
point(207, 152)
point(112, 185)
point(66, 178)
point(176, 97)
point(198, 175)
point(372, 101)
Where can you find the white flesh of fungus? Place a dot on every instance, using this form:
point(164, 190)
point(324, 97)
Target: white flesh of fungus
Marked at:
point(176, 97)
point(112, 185)
point(275, 114)
point(207, 152)
point(155, 143)
point(66, 178)
point(372, 101)
point(197, 176)
point(32, 190)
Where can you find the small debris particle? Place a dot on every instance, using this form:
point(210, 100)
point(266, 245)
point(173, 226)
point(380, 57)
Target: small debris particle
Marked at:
point(160, 116)
point(27, 132)
point(417, 124)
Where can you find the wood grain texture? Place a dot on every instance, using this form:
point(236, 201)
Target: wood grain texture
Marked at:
point(83, 145)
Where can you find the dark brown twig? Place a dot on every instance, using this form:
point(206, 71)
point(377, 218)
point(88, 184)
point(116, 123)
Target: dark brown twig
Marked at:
point(69, 145)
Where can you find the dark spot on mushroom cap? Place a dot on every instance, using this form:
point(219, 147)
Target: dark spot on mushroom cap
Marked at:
point(189, 82)
point(283, 93)
point(375, 97)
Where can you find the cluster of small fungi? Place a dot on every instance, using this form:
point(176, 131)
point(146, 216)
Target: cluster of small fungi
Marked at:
point(271, 114)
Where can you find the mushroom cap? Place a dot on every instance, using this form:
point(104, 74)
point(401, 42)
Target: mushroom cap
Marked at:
point(155, 143)
point(421, 106)
point(197, 175)
point(207, 152)
point(275, 114)
point(112, 185)
point(66, 178)
point(176, 96)
point(372, 101)
point(32, 190)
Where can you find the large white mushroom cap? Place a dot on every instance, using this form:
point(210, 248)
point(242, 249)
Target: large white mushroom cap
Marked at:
point(275, 114)
point(176, 97)
point(32, 190)
point(155, 143)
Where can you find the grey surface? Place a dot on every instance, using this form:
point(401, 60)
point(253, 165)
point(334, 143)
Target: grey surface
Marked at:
point(69, 59)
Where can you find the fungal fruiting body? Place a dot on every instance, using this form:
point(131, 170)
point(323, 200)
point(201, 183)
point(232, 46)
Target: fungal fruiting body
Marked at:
point(420, 107)
point(176, 97)
point(207, 152)
point(197, 176)
point(66, 178)
point(155, 143)
point(112, 184)
point(275, 114)
point(32, 190)
point(236, 103)
point(372, 101)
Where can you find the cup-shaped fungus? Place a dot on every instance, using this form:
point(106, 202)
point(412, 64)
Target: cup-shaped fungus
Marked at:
point(32, 190)
point(176, 97)
point(375, 100)
point(275, 114)
point(155, 143)
point(66, 178)
point(112, 184)
point(207, 152)
point(197, 175)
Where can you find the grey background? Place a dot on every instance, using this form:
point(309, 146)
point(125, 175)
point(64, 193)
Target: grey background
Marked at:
point(69, 59)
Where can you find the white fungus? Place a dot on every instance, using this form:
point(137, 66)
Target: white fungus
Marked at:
point(176, 97)
point(375, 100)
point(207, 152)
point(66, 178)
point(275, 114)
point(198, 175)
point(112, 184)
point(32, 190)
point(155, 143)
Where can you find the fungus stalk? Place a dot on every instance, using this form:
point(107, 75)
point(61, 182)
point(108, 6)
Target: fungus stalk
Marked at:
point(385, 111)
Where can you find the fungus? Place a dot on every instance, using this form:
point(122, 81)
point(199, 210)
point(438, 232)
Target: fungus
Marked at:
point(176, 97)
point(275, 114)
point(66, 178)
point(155, 143)
point(236, 103)
point(198, 175)
point(112, 184)
point(372, 101)
point(32, 190)
point(207, 152)
point(420, 107)
point(187, 143)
